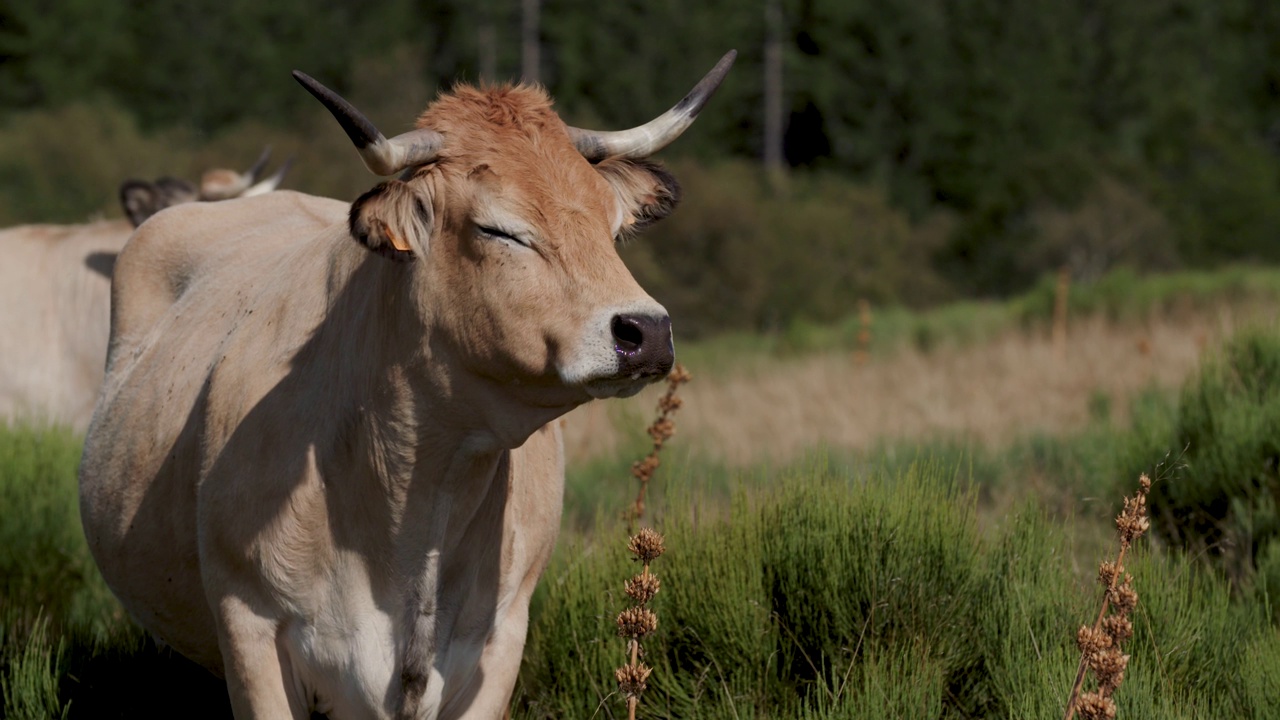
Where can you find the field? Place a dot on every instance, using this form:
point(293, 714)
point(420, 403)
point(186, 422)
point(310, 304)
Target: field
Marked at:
point(898, 516)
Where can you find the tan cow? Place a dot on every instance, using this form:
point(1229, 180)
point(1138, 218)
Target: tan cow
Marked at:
point(55, 296)
point(324, 462)
point(142, 199)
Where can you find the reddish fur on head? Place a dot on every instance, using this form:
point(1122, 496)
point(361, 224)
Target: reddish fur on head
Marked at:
point(513, 132)
point(524, 110)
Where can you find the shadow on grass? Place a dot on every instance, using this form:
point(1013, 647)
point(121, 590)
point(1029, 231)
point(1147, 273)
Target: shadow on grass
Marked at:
point(139, 679)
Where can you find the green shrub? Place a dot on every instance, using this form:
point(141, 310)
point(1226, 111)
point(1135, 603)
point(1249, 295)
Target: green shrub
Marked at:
point(1125, 295)
point(30, 669)
point(1220, 501)
point(738, 256)
point(45, 567)
point(838, 595)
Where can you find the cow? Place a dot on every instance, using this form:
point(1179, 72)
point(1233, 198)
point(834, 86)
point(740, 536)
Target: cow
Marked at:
point(325, 462)
point(142, 199)
point(55, 296)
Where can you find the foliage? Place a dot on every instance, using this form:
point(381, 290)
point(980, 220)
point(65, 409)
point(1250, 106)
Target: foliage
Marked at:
point(839, 595)
point(46, 573)
point(927, 578)
point(809, 254)
point(1123, 295)
point(29, 672)
point(1219, 500)
point(940, 149)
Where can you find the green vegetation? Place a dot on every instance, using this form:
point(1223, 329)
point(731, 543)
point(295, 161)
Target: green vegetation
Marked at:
point(1222, 500)
point(1120, 296)
point(939, 150)
point(850, 595)
point(929, 578)
point(46, 574)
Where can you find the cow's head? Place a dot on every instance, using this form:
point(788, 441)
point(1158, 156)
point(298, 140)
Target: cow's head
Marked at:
point(141, 198)
point(507, 222)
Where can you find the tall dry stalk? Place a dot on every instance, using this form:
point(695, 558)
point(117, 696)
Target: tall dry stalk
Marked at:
point(1060, 293)
point(863, 353)
point(1100, 644)
point(637, 620)
point(661, 430)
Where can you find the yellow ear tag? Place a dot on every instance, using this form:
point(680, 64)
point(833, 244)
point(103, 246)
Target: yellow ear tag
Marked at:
point(397, 242)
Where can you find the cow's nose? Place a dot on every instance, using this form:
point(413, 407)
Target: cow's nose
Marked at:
point(643, 344)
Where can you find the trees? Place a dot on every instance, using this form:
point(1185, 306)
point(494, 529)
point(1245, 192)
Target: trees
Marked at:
point(1003, 115)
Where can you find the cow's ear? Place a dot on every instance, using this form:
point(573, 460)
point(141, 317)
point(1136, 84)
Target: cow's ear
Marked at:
point(138, 198)
point(393, 219)
point(646, 192)
point(142, 199)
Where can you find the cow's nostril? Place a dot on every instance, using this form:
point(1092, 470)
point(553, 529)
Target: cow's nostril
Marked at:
point(627, 335)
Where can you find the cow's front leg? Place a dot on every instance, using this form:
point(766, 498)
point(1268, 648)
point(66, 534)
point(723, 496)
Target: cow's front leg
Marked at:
point(260, 680)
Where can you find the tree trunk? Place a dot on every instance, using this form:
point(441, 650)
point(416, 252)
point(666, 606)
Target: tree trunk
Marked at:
point(487, 46)
point(530, 44)
point(774, 163)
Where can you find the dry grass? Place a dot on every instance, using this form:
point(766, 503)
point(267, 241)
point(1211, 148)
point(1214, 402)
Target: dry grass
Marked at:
point(777, 408)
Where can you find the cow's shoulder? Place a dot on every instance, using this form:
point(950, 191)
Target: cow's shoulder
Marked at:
point(180, 247)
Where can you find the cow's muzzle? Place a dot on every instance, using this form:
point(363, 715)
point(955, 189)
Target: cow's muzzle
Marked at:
point(644, 347)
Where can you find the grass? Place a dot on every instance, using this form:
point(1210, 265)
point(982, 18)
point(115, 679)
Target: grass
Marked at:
point(1120, 296)
point(840, 594)
point(844, 542)
point(769, 407)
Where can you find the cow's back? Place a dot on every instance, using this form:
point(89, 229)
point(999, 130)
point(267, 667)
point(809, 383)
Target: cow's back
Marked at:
point(182, 284)
point(185, 243)
point(55, 295)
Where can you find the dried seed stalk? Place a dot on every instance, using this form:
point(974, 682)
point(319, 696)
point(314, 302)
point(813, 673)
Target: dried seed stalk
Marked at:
point(1100, 644)
point(663, 427)
point(637, 620)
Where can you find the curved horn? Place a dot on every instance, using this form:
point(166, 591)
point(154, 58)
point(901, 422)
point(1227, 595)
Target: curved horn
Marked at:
point(261, 164)
point(380, 155)
point(647, 139)
point(271, 183)
point(223, 184)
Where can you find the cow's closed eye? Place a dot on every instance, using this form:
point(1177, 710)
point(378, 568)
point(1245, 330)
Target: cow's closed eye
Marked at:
point(492, 233)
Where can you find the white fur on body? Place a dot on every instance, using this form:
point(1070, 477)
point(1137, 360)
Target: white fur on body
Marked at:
point(289, 483)
point(54, 315)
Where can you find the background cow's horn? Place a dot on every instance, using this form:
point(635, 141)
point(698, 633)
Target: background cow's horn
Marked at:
point(252, 174)
point(647, 139)
point(271, 183)
point(221, 184)
point(380, 155)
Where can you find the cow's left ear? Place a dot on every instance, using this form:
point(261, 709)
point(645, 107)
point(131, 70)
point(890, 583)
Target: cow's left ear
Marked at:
point(646, 192)
point(139, 200)
point(393, 219)
point(142, 199)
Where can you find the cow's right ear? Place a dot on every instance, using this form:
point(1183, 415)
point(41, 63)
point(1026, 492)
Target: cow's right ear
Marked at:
point(393, 219)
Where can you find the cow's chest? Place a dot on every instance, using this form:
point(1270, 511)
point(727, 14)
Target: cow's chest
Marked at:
point(352, 653)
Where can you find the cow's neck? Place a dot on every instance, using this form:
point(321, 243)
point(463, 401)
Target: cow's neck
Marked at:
point(420, 428)
point(444, 469)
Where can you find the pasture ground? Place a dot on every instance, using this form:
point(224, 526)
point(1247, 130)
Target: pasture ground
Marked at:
point(910, 536)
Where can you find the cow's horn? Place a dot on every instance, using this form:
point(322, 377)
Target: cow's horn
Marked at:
point(271, 183)
point(221, 184)
point(258, 167)
point(647, 139)
point(380, 155)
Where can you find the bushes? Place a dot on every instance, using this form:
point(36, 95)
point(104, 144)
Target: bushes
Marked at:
point(1124, 295)
point(737, 256)
point(1221, 499)
point(817, 593)
point(866, 596)
point(45, 567)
